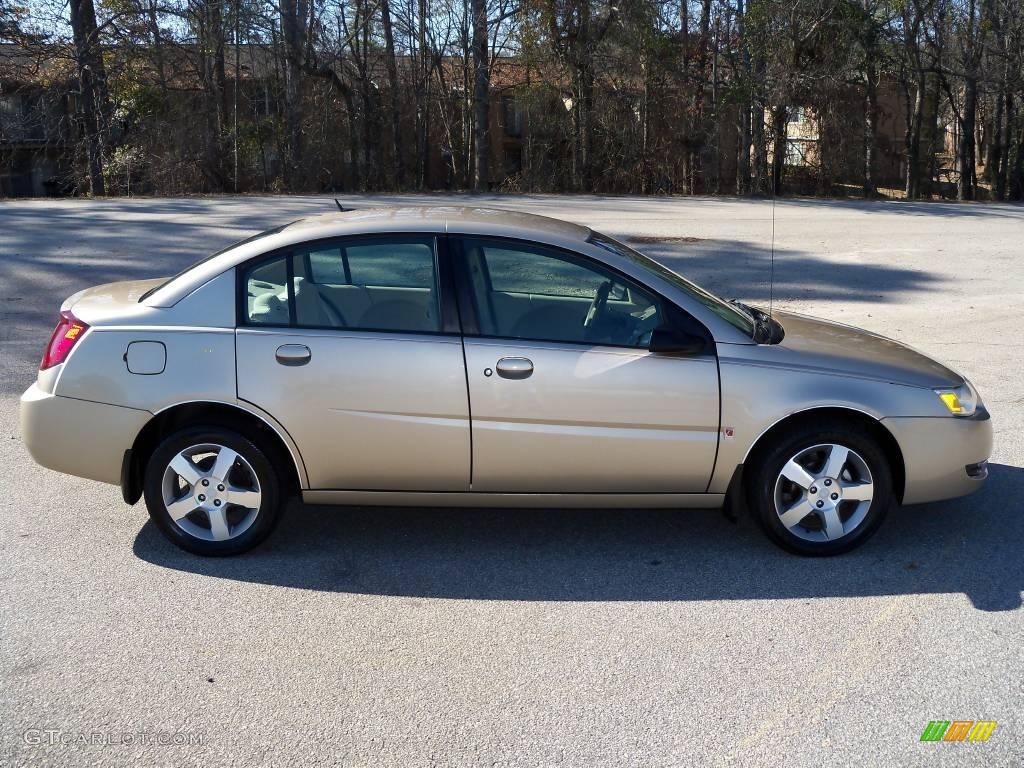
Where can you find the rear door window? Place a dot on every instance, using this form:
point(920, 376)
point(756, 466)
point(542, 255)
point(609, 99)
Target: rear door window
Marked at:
point(370, 284)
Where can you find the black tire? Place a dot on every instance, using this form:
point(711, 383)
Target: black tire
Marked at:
point(268, 512)
point(762, 477)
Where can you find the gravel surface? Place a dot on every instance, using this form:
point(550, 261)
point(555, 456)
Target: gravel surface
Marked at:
point(572, 638)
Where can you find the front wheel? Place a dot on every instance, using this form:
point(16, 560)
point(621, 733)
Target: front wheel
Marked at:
point(822, 490)
point(212, 491)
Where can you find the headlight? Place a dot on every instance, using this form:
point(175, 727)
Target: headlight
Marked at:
point(961, 401)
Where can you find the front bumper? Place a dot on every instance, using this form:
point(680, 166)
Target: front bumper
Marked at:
point(942, 455)
point(78, 437)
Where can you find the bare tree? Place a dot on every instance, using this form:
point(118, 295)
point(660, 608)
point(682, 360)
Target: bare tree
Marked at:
point(639, 96)
point(481, 98)
point(398, 171)
point(92, 79)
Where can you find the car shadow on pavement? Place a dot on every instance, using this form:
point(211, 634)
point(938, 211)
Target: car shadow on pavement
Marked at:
point(737, 269)
point(969, 545)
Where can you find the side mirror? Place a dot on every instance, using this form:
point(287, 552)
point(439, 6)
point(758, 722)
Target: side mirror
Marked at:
point(672, 341)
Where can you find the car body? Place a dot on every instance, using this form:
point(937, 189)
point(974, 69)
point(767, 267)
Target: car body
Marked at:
point(468, 356)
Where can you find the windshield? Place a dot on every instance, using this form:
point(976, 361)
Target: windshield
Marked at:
point(190, 267)
point(728, 312)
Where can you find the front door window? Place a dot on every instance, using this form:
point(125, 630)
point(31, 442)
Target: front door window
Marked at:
point(538, 294)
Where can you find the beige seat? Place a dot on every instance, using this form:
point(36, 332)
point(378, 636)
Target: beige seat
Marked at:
point(269, 309)
point(312, 308)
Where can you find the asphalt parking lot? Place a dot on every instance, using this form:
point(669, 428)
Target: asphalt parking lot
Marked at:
point(543, 637)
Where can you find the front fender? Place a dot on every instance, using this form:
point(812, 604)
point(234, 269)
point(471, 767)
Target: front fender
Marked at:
point(755, 396)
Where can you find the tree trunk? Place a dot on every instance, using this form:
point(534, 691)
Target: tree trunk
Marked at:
point(994, 143)
point(684, 28)
point(965, 154)
point(92, 78)
point(369, 138)
point(743, 129)
point(398, 175)
point(935, 143)
point(759, 142)
point(293, 13)
point(422, 97)
point(371, 113)
point(972, 47)
point(870, 125)
point(158, 51)
point(780, 126)
point(212, 75)
point(1015, 164)
point(1005, 139)
point(912, 187)
point(481, 99)
point(586, 127)
point(703, 102)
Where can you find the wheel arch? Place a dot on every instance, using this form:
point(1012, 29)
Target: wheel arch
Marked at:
point(256, 426)
point(886, 440)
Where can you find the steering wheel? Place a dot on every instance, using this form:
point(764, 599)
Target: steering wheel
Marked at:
point(598, 305)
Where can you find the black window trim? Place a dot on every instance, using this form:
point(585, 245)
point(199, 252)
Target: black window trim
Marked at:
point(467, 299)
point(443, 284)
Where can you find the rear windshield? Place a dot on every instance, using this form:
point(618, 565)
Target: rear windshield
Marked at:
point(190, 267)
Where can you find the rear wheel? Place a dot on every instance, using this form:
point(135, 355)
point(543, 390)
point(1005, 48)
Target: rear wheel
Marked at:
point(822, 490)
point(212, 491)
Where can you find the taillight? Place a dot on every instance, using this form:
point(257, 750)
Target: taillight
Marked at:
point(69, 330)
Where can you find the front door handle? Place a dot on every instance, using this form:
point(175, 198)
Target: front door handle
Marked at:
point(293, 354)
point(514, 368)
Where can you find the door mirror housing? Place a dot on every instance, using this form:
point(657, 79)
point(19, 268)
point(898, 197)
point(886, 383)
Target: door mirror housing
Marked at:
point(667, 340)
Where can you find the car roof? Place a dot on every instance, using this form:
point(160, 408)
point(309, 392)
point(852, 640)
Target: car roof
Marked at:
point(436, 218)
point(433, 219)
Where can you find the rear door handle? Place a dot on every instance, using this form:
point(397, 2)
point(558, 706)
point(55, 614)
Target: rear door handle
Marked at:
point(514, 368)
point(293, 354)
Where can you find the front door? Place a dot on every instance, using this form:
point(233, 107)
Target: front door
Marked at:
point(565, 396)
point(346, 345)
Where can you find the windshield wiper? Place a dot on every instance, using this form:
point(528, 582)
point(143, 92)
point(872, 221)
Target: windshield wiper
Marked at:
point(746, 310)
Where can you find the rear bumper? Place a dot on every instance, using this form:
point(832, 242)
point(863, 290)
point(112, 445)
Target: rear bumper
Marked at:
point(78, 437)
point(943, 457)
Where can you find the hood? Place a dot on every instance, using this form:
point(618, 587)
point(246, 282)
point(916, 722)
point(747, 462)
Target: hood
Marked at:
point(824, 345)
point(109, 301)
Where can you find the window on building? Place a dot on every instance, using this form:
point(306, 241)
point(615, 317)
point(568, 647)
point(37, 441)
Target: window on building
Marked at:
point(513, 160)
point(512, 117)
point(796, 152)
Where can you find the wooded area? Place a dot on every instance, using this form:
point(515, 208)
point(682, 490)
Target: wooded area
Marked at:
point(911, 97)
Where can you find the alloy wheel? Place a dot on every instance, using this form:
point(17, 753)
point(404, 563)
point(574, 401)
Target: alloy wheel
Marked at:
point(823, 492)
point(211, 492)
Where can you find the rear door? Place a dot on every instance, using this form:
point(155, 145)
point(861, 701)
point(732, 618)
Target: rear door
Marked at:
point(353, 347)
point(565, 396)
